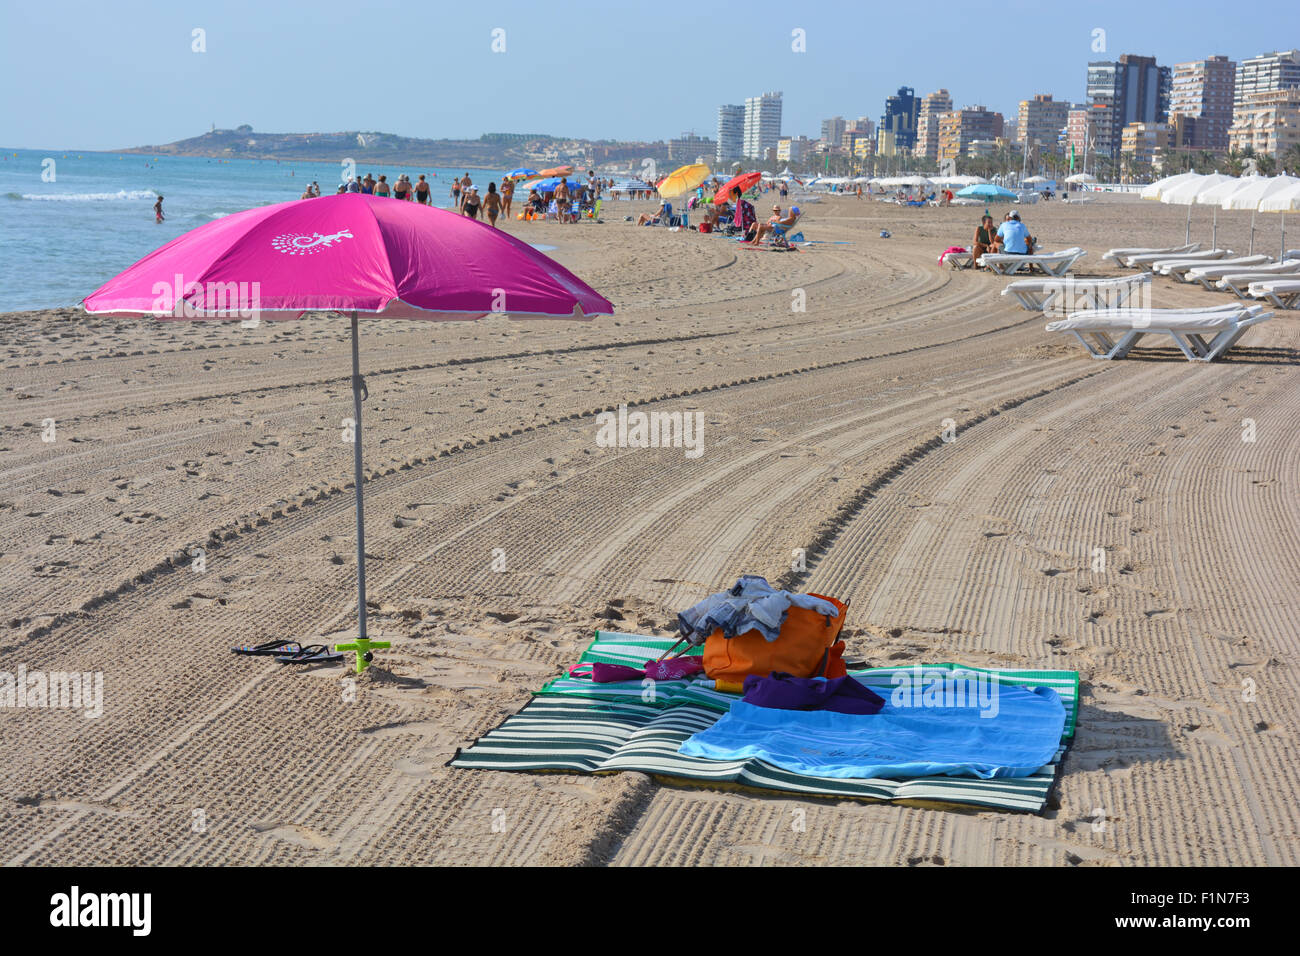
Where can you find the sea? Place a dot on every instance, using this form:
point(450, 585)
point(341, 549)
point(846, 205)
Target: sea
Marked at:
point(69, 221)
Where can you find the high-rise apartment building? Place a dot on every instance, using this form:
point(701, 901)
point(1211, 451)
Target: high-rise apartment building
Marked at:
point(959, 128)
point(1041, 120)
point(833, 130)
point(1268, 122)
point(762, 124)
point(731, 133)
point(899, 120)
point(1133, 89)
point(1266, 73)
point(1203, 94)
point(927, 124)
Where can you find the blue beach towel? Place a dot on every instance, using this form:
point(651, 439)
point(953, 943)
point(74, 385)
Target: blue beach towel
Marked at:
point(1015, 733)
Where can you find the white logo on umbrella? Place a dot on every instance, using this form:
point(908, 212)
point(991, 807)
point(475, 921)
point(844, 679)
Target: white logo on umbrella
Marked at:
point(301, 244)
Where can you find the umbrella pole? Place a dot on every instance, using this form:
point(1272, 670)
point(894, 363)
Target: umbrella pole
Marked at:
point(1188, 237)
point(362, 645)
point(1252, 233)
point(1214, 233)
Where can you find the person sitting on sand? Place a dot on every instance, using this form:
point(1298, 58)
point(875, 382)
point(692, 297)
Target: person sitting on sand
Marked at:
point(776, 222)
point(647, 219)
point(1014, 237)
point(535, 200)
point(744, 220)
point(986, 240)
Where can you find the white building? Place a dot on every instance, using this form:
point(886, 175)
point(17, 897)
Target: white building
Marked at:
point(762, 124)
point(731, 133)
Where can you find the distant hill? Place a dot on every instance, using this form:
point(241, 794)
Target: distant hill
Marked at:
point(488, 151)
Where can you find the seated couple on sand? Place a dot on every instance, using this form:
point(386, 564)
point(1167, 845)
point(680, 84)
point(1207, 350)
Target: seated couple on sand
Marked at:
point(777, 225)
point(1011, 237)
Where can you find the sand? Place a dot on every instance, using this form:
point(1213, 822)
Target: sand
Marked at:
point(819, 434)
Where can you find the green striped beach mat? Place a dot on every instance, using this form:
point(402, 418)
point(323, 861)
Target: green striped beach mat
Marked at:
point(579, 727)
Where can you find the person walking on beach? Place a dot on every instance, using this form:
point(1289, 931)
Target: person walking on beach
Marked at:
point(422, 191)
point(465, 184)
point(382, 188)
point(400, 188)
point(492, 204)
point(471, 203)
point(562, 199)
point(158, 217)
point(507, 197)
point(455, 193)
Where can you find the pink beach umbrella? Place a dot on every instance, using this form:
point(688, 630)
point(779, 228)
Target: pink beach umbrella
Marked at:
point(355, 254)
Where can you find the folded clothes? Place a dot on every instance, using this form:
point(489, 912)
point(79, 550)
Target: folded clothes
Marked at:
point(752, 605)
point(675, 668)
point(1012, 732)
point(841, 695)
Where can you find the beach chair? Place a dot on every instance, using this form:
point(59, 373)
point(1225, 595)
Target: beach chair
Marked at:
point(957, 260)
point(1237, 281)
point(781, 234)
point(1116, 255)
point(1050, 263)
point(1073, 294)
point(1283, 293)
point(1143, 260)
point(1201, 334)
point(1179, 268)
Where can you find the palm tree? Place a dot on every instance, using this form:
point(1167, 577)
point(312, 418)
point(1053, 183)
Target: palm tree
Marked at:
point(1265, 164)
point(1290, 160)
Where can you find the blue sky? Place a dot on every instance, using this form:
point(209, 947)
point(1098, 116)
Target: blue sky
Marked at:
point(105, 75)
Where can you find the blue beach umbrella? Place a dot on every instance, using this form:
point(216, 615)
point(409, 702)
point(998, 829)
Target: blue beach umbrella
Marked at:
point(520, 173)
point(989, 193)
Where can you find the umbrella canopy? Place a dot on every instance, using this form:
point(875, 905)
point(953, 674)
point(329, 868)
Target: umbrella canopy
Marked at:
point(521, 174)
point(1156, 189)
point(347, 253)
point(742, 182)
point(557, 171)
point(1037, 179)
point(1282, 200)
point(353, 253)
point(683, 179)
point(988, 192)
point(1256, 190)
point(1185, 193)
point(1214, 195)
point(548, 185)
point(1081, 178)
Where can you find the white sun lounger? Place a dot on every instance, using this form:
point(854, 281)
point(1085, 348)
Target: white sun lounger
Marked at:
point(1071, 293)
point(958, 260)
point(1116, 255)
point(1283, 293)
point(1179, 268)
point(1144, 260)
point(1051, 263)
point(1238, 283)
point(1202, 334)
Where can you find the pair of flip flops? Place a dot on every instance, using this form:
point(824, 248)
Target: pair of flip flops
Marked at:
point(291, 652)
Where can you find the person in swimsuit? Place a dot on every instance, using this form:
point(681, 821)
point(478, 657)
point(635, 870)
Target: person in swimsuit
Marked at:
point(562, 199)
point(465, 183)
point(422, 191)
point(400, 188)
point(471, 204)
point(382, 188)
point(507, 197)
point(368, 185)
point(307, 194)
point(986, 240)
point(157, 211)
point(492, 204)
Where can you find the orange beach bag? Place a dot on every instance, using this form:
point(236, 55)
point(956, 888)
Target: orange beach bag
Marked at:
point(808, 646)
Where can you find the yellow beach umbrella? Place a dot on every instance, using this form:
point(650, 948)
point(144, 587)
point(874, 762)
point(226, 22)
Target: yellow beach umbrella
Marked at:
point(682, 180)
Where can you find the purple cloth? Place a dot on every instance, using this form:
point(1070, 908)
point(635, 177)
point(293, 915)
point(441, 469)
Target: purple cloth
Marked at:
point(841, 695)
